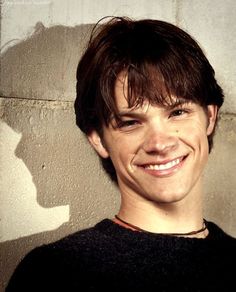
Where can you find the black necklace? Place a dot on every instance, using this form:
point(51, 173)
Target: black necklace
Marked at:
point(204, 227)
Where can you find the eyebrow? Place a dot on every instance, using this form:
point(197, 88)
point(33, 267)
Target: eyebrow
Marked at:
point(130, 114)
point(134, 113)
point(179, 102)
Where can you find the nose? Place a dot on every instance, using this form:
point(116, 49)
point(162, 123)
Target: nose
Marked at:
point(160, 140)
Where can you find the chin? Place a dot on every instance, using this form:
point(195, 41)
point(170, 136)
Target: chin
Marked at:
point(169, 198)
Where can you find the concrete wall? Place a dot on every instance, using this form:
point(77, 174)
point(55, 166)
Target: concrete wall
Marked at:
point(51, 183)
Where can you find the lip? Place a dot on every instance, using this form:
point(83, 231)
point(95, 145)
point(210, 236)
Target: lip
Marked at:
point(164, 172)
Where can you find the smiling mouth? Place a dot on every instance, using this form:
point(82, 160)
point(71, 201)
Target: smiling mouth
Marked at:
point(163, 167)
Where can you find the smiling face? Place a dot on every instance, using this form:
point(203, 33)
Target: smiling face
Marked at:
point(159, 152)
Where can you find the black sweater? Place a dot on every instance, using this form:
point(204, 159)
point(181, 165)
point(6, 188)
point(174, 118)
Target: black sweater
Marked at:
point(110, 258)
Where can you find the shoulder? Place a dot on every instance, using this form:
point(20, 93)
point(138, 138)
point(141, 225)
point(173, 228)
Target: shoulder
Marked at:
point(83, 239)
point(221, 241)
point(60, 259)
point(74, 244)
point(217, 233)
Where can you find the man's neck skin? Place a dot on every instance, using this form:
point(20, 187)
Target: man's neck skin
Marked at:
point(174, 217)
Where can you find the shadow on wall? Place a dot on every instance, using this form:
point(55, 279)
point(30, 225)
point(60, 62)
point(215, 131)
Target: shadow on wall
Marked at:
point(43, 66)
point(20, 195)
point(52, 182)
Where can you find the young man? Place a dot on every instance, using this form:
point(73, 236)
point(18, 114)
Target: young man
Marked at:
point(148, 101)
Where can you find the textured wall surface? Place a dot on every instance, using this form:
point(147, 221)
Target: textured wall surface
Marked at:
point(51, 182)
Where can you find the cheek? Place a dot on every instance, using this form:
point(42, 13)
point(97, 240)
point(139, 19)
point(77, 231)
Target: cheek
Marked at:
point(119, 144)
point(195, 135)
point(201, 145)
point(122, 152)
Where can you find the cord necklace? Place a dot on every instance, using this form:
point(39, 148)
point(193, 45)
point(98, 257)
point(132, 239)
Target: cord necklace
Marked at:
point(136, 228)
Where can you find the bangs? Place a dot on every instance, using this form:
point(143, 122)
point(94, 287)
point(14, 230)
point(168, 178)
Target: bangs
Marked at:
point(161, 84)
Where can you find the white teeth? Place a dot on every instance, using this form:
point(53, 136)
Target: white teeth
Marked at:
point(163, 166)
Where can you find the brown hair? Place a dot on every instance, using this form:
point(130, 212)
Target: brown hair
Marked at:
point(161, 61)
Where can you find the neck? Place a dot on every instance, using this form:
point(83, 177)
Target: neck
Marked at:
point(175, 217)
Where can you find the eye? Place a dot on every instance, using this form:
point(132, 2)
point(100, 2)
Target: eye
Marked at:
point(127, 123)
point(178, 112)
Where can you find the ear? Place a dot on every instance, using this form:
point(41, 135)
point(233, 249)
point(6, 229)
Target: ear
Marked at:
point(212, 111)
point(97, 144)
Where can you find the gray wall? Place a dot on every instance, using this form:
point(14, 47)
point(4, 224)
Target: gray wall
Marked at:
point(51, 182)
